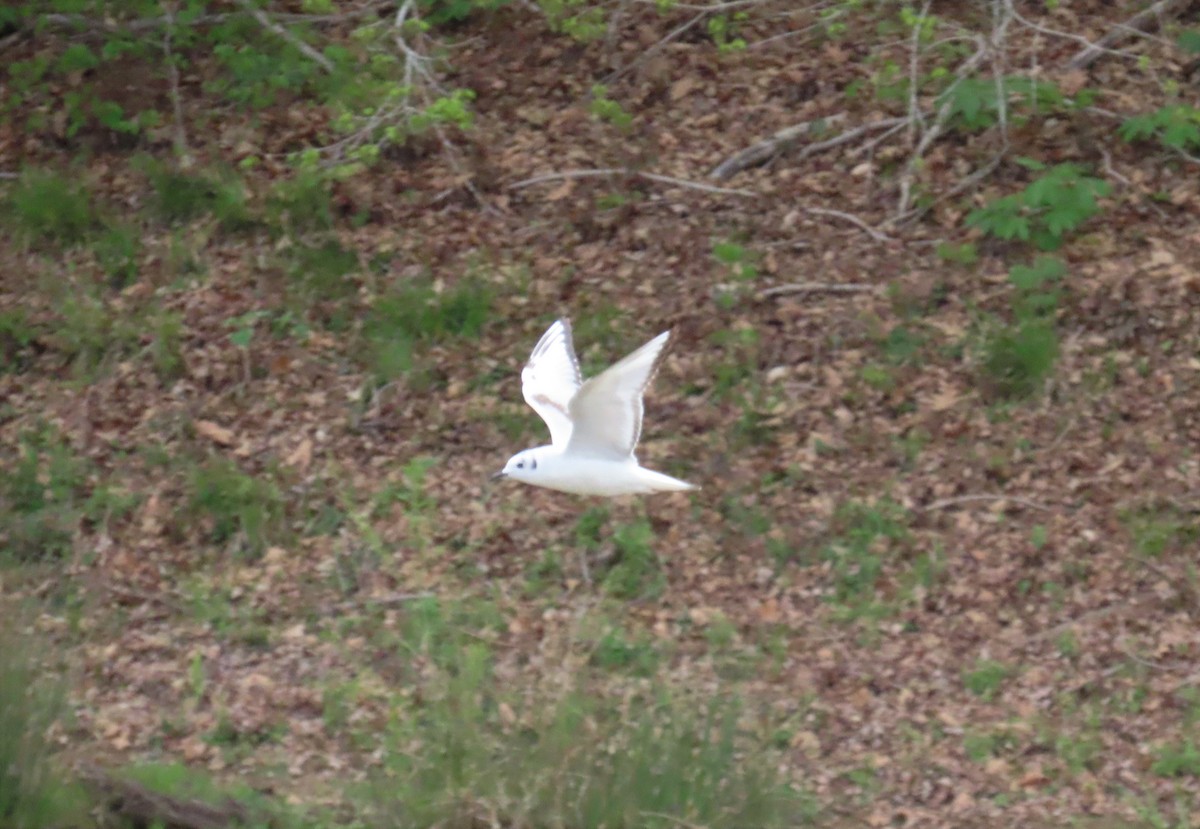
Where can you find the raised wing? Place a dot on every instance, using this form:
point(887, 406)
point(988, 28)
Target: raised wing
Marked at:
point(607, 410)
point(551, 378)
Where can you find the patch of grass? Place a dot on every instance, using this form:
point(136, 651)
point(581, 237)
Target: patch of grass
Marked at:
point(1180, 759)
point(166, 347)
point(117, 251)
point(43, 495)
point(637, 572)
point(180, 781)
point(47, 206)
point(983, 745)
point(417, 312)
point(18, 335)
point(181, 196)
point(468, 747)
point(866, 537)
point(33, 794)
point(1018, 358)
point(322, 273)
point(985, 679)
point(1155, 530)
point(300, 205)
point(92, 333)
point(616, 651)
point(238, 509)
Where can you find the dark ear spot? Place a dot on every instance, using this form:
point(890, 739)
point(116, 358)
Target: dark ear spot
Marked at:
point(533, 463)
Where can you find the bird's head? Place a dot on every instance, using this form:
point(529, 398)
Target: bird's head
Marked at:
point(522, 466)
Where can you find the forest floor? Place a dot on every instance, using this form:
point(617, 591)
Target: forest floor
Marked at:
point(941, 599)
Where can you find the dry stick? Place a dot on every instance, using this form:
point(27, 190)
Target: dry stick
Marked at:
point(617, 74)
point(271, 26)
point(939, 124)
point(60, 20)
point(391, 600)
point(1088, 616)
point(764, 151)
point(1138, 23)
point(915, 118)
point(966, 499)
point(181, 142)
point(816, 288)
point(877, 235)
point(143, 807)
point(614, 171)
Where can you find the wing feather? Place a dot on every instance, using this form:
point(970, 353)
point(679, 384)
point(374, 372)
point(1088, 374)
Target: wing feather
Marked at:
point(607, 410)
point(551, 378)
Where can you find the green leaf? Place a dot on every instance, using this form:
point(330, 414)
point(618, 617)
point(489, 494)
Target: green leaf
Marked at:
point(1189, 41)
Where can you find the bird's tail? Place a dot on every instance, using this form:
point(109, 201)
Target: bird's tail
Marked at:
point(658, 482)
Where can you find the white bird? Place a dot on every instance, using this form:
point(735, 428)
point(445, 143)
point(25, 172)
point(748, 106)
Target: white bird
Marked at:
point(594, 426)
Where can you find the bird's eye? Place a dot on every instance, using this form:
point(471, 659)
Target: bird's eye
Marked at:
point(520, 464)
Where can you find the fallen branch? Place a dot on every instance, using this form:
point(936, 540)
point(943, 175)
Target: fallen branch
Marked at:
point(143, 807)
point(967, 499)
point(286, 34)
point(181, 142)
point(390, 600)
point(816, 288)
point(1140, 22)
point(780, 142)
point(939, 124)
point(877, 235)
point(616, 171)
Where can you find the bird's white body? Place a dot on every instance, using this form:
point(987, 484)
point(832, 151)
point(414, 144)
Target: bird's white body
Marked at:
point(593, 476)
point(594, 426)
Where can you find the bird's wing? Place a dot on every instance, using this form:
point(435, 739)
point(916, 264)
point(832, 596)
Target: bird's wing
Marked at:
point(607, 410)
point(551, 378)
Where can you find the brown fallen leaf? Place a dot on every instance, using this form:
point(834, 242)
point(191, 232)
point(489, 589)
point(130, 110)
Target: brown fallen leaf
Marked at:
point(215, 432)
point(301, 456)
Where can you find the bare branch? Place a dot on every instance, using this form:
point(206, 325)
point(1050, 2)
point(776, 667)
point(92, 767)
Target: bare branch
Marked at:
point(614, 171)
point(181, 142)
point(967, 499)
point(785, 139)
point(877, 235)
point(286, 34)
point(1138, 23)
point(816, 288)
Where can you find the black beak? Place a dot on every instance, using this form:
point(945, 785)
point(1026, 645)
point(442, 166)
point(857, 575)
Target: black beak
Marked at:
point(500, 474)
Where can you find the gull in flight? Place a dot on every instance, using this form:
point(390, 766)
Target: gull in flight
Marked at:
point(594, 426)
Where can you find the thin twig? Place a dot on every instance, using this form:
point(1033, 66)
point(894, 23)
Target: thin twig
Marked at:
point(966, 499)
point(181, 142)
point(816, 288)
point(1134, 25)
point(877, 235)
point(935, 130)
point(286, 34)
point(617, 74)
point(391, 600)
point(615, 171)
point(781, 141)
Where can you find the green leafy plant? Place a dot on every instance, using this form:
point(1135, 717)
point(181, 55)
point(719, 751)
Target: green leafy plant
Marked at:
point(1176, 126)
point(725, 31)
point(976, 103)
point(606, 109)
point(1054, 204)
